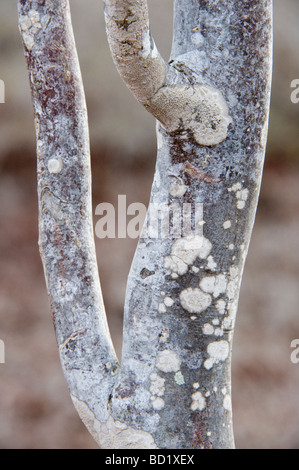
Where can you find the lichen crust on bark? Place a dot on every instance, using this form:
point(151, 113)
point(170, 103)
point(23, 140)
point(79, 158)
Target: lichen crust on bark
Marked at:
point(200, 109)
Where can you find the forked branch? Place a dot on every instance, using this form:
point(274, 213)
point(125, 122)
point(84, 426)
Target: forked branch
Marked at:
point(173, 389)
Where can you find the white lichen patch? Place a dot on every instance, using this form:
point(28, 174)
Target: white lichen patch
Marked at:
point(227, 403)
point(207, 284)
point(55, 165)
point(235, 187)
point(194, 300)
point(198, 401)
point(240, 204)
point(218, 352)
point(218, 331)
point(113, 434)
point(214, 285)
point(177, 188)
point(184, 252)
point(220, 285)
point(227, 322)
point(208, 329)
point(168, 301)
point(227, 224)
point(202, 109)
point(157, 386)
point(30, 26)
point(168, 361)
point(157, 389)
point(241, 195)
point(221, 305)
point(157, 403)
point(162, 308)
point(179, 378)
point(211, 264)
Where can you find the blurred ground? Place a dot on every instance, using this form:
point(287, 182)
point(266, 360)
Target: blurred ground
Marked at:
point(35, 407)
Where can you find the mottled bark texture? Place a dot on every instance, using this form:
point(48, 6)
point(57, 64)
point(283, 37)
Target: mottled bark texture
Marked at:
point(65, 212)
point(211, 100)
point(213, 113)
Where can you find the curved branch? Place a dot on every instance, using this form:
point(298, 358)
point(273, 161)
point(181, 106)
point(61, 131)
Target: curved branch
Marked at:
point(200, 109)
point(65, 212)
point(133, 49)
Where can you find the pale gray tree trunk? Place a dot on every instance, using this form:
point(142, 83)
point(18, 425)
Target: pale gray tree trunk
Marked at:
point(211, 101)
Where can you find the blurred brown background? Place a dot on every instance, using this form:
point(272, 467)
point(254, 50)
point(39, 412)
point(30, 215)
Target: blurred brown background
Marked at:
point(35, 407)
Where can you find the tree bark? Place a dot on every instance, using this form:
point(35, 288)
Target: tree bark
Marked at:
point(65, 213)
point(179, 319)
point(211, 102)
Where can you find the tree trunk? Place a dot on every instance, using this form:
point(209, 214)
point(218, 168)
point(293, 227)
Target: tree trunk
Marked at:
point(211, 102)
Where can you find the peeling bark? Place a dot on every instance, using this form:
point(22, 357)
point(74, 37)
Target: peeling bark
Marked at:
point(211, 100)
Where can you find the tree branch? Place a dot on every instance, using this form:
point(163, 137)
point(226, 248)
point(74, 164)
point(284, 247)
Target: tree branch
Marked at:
point(133, 49)
point(200, 109)
point(179, 319)
point(65, 212)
